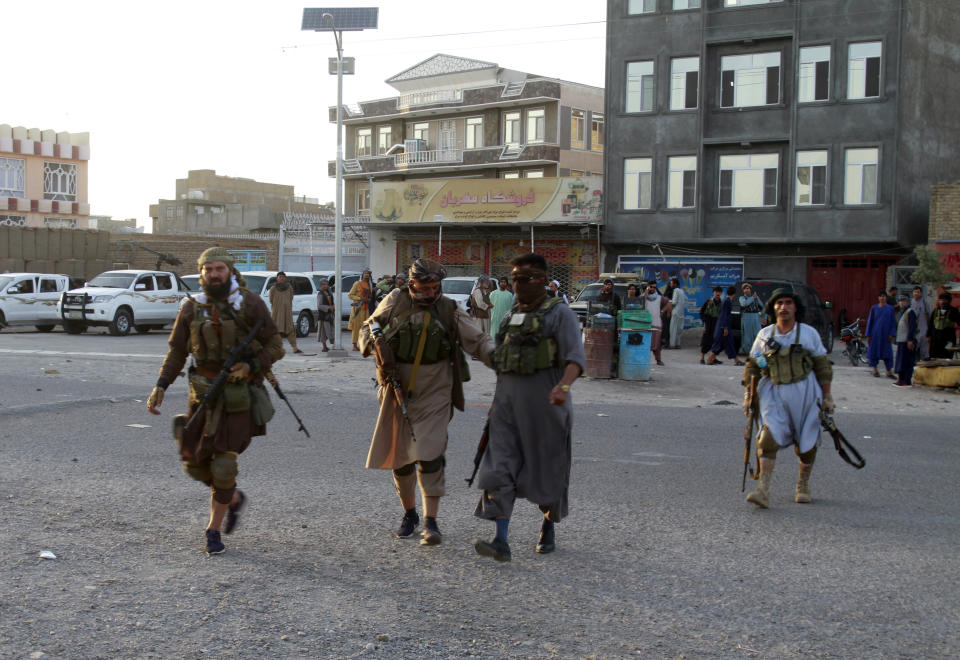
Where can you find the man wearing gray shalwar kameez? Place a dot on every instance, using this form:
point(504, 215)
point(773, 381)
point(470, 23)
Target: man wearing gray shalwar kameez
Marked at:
point(539, 355)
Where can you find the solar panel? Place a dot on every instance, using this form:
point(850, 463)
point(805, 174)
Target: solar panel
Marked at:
point(344, 18)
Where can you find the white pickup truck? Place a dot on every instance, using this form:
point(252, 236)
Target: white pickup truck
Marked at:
point(31, 299)
point(122, 300)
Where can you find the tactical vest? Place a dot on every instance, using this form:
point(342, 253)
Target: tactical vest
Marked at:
point(787, 364)
point(521, 347)
point(406, 339)
point(942, 320)
point(214, 331)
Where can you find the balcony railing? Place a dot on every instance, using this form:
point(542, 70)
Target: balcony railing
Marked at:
point(429, 98)
point(429, 156)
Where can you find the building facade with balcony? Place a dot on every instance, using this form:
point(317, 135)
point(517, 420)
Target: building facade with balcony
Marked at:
point(458, 118)
point(43, 178)
point(801, 135)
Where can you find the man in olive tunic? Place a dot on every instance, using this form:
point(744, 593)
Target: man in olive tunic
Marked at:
point(281, 309)
point(208, 326)
point(538, 357)
point(429, 369)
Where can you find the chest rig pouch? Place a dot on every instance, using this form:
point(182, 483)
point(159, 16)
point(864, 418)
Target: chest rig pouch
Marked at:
point(214, 331)
point(787, 364)
point(942, 320)
point(521, 348)
point(437, 346)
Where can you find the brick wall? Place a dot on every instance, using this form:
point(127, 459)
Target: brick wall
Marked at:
point(125, 250)
point(945, 212)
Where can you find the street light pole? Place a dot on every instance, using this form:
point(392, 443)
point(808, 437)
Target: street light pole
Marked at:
point(338, 222)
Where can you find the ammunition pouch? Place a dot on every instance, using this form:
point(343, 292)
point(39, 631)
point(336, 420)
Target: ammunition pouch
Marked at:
point(522, 349)
point(942, 321)
point(790, 364)
point(437, 346)
point(236, 397)
point(260, 405)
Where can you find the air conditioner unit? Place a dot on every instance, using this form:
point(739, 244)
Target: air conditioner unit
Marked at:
point(413, 145)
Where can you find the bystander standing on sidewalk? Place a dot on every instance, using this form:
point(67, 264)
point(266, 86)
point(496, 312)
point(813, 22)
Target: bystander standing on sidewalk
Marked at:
point(906, 343)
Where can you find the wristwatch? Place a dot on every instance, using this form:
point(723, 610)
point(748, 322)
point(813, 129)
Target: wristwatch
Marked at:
point(565, 388)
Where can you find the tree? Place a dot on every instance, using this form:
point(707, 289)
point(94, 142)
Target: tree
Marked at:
point(930, 269)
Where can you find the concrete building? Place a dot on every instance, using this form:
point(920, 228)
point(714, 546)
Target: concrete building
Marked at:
point(801, 135)
point(457, 119)
point(43, 178)
point(107, 223)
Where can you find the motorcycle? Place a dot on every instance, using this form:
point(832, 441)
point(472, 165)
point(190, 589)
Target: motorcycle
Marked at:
point(854, 345)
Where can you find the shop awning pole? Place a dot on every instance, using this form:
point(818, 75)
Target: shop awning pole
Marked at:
point(533, 248)
point(440, 243)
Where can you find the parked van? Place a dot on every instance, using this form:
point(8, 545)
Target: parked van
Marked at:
point(31, 299)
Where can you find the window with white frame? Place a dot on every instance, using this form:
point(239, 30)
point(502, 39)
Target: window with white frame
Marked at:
point(744, 3)
point(860, 176)
point(363, 199)
point(12, 177)
point(641, 6)
point(216, 210)
point(811, 183)
point(596, 132)
point(170, 211)
point(511, 174)
point(421, 131)
point(533, 174)
point(13, 220)
point(60, 182)
point(60, 223)
point(684, 82)
point(814, 76)
point(749, 180)
point(511, 127)
point(749, 80)
point(863, 70)
point(384, 139)
point(681, 182)
point(474, 139)
point(679, 5)
point(641, 84)
point(637, 183)
point(364, 142)
point(179, 211)
point(536, 125)
point(578, 119)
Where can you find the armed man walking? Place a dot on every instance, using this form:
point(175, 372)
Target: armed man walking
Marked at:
point(538, 357)
point(281, 309)
point(790, 365)
point(209, 326)
point(418, 337)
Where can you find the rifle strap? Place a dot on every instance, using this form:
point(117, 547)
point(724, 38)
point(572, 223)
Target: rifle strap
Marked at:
point(839, 441)
point(419, 356)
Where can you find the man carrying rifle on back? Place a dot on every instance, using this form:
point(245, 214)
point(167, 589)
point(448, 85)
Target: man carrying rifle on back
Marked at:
point(210, 327)
point(418, 336)
point(793, 374)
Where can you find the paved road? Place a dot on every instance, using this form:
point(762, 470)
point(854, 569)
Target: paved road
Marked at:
point(661, 557)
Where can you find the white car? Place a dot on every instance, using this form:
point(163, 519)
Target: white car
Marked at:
point(31, 299)
point(122, 300)
point(350, 278)
point(459, 288)
point(304, 296)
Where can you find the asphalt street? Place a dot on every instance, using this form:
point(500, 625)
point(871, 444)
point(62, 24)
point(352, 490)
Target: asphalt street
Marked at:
point(660, 557)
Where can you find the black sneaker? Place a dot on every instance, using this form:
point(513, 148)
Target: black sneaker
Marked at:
point(499, 550)
point(214, 545)
point(408, 526)
point(547, 541)
point(431, 533)
point(233, 513)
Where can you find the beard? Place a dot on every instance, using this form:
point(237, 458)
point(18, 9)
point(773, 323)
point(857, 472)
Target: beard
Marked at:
point(217, 289)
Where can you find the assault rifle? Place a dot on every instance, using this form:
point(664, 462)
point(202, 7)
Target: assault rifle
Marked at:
point(748, 433)
point(216, 387)
point(481, 447)
point(402, 404)
point(276, 388)
point(839, 440)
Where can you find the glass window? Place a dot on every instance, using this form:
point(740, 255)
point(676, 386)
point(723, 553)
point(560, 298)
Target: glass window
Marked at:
point(533, 174)
point(512, 174)
point(860, 176)
point(364, 141)
point(12, 220)
point(384, 139)
point(749, 180)
point(682, 182)
point(536, 126)
point(577, 124)
point(686, 4)
point(811, 181)
point(640, 86)
point(684, 82)
point(749, 80)
point(169, 211)
point(144, 284)
point(60, 182)
point(641, 6)
point(511, 128)
point(474, 132)
point(814, 78)
point(863, 70)
point(11, 177)
point(744, 3)
point(637, 180)
point(363, 199)
point(421, 131)
point(596, 132)
point(164, 283)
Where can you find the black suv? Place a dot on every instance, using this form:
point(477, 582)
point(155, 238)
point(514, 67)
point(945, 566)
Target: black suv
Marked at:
point(816, 313)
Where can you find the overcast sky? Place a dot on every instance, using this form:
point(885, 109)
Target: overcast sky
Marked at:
point(166, 87)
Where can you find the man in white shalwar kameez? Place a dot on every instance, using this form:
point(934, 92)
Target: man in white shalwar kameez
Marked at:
point(794, 376)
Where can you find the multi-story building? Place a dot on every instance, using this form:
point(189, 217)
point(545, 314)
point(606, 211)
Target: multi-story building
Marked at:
point(457, 118)
point(803, 135)
point(43, 178)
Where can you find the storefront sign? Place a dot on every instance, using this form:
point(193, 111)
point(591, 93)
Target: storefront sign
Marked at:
point(563, 200)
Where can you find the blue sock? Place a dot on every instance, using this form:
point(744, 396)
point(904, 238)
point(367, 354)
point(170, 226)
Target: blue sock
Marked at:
point(502, 525)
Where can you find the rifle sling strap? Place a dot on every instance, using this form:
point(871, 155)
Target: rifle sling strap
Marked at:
point(419, 357)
